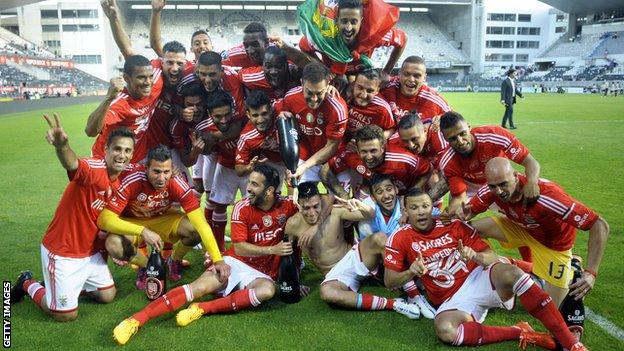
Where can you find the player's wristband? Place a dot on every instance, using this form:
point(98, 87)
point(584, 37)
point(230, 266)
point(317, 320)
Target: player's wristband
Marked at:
point(591, 271)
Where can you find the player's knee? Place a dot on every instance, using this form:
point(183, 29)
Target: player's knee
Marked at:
point(107, 295)
point(65, 317)
point(508, 275)
point(328, 293)
point(265, 291)
point(114, 246)
point(445, 331)
point(379, 240)
point(191, 239)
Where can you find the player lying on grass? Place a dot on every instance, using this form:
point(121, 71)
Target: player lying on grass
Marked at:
point(318, 229)
point(143, 203)
point(70, 256)
point(257, 231)
point(465, 278)
point(547, 226)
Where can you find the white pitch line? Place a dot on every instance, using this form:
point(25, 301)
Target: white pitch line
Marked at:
point(605, 324)
point(570, 122)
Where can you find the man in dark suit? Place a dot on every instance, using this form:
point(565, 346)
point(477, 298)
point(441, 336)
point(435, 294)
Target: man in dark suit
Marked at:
point(509, 90)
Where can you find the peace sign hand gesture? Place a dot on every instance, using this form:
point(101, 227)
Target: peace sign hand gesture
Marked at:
point(55, 135)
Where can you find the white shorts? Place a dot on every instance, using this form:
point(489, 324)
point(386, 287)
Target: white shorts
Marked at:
point(241, 275)
point(226, 183)
point(312, 174)
point(208, 170)
point(476, 296)
point(350, 270)
point(66, 277)
point(198, 168)
point(176, 161)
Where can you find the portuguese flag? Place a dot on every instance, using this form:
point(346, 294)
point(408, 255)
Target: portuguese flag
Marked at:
point(317, 20)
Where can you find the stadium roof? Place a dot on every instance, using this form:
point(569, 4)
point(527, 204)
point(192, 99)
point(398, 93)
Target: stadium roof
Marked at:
point(11, 4)
point(584, 6)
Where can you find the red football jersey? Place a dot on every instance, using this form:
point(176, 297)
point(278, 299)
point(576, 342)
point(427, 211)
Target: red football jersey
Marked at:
point(237, 57)
point(403, 166)
point(225, 149)
point(261, 228)
point(395, 37)
point(137, 198)
point(427, 102)
point(377, 112)
point(229, 82)
point(180, 132)
point(253, 143)
point(552, 219)
point(253, 78)
point(446, 271)
point(316, 126)
point(490, 142)
point(126, 111)
point(73, 230)
point(435, 146)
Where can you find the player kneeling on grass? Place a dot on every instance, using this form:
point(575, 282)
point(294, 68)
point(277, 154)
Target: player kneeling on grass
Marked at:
point(69, 254)
point(465, 278)
point(144, 201)
point(257, 231)
point(319, 231)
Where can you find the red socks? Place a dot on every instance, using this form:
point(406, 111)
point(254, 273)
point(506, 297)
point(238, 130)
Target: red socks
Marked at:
point(169, 302)
point(411, 289)
point(541, 306)
point(370, 302)
point(475, 334)
point(236, 301)
point(35, 290)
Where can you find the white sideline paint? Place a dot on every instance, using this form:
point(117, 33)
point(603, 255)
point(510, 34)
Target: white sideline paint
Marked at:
point(605, 324)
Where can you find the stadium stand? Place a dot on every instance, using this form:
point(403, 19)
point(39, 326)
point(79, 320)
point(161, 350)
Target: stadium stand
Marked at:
point(582, 46)
point(612, 43)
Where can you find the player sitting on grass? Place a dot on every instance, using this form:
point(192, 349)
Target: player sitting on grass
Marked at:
point(144, 201)
point(345, 265)
point(465, 278)
point(257, 231)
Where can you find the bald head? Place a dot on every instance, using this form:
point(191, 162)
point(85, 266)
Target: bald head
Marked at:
point(498, 167)
point(501, 179)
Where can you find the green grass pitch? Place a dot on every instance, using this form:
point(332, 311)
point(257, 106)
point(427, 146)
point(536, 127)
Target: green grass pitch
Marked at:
point(576, 138)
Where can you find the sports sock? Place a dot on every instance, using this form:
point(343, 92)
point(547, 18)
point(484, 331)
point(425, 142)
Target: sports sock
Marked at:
point(180, 251)
point(526, 254)
point(475, 334)
point(369, 302)
point(169, 302)
point(208, 211)
point(35, 290)
point(219, 221)
point(411, 289)
point(167, 250)
point(541, 306)
point(236, 301)
point(525, 266)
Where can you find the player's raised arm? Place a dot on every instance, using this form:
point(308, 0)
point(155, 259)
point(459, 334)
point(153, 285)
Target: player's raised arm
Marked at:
point(155, 37)
point(354, 210)
point(57, 137)
point(331, 182)
point(95, 122)
point(532, 170)
point(119, 34)
point(298, 57)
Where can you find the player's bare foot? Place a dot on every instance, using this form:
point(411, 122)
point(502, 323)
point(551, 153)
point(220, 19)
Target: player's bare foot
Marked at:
point(189, 315)
point(409, 310)
point(17, 292)
point(125, 330)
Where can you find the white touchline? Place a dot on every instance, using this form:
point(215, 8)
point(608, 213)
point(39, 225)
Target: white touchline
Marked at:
point(605, 324)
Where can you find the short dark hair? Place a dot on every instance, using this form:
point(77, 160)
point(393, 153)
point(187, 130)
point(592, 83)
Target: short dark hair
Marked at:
point(277, 52)
point(314, 73)
point(409, 121)
point(135, 61)
point(209, 58)
point(369, 132)
point(378, 178)
point(160, 153)
point(256, 99)
point(307, 190)
point(271, 175)
point(349, 4)
point(413, 59)
point(255, 27)
point(174, 46)
point(450, 119)
point(510, 71)
point(370, 74)
point(219, 98)
point(121, 132)
point(199, 32)
point(413, 192)
point(194, 88)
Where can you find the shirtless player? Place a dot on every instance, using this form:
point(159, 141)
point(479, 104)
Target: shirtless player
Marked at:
point(318, 227)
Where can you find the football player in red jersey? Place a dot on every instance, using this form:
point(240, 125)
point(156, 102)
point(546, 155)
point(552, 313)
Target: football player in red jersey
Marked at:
point(251, 52)
point(548, 226)
point(465, 278)
point(321, 117)
point(257, 231)
point(144, 200)
point(275, 77)
point(408, 93)
point(70, 250)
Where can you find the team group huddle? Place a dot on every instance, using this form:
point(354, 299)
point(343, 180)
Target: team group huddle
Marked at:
point(387, 149)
